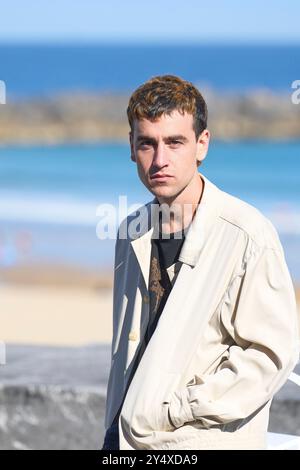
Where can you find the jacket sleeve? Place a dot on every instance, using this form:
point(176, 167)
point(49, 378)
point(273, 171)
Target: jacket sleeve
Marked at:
point(262, 321)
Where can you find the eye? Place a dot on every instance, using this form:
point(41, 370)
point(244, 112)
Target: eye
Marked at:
point(145, 144)
point(175, 143)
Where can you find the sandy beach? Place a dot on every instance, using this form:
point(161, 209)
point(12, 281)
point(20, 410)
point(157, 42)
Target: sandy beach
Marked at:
point(51, 307)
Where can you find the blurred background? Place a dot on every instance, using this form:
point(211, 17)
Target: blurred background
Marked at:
point(69, 69)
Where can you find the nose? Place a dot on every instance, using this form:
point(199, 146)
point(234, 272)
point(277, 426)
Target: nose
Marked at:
point(160, 158)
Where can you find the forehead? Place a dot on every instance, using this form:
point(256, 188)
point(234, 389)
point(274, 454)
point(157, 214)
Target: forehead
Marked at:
point(166, 124)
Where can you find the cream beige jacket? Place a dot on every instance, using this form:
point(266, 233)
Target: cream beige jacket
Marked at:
point(226, 340)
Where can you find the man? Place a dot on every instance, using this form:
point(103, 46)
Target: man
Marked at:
point(204, 312)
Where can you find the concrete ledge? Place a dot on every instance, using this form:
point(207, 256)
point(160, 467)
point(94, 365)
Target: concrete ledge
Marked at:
point(50, 417)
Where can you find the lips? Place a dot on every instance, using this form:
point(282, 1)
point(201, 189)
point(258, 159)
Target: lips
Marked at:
point(160, 176)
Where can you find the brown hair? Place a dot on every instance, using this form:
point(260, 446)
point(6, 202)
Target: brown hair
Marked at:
point(164, 94)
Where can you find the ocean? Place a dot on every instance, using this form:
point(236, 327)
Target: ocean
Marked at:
point(49, 196)
point(41, 70)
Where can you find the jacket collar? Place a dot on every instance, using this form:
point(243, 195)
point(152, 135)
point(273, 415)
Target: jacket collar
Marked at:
point(205, 217)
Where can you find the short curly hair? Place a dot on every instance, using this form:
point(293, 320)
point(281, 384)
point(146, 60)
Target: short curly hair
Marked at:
point(162, 95)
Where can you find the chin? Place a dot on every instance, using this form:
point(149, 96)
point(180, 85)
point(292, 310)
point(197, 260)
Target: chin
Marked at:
point(163, 192)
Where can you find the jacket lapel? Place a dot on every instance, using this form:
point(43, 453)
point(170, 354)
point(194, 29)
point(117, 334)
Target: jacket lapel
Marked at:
point(141, 245)
point(207, 212)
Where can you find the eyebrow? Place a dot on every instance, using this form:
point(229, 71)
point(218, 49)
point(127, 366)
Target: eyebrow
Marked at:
point(166, 139)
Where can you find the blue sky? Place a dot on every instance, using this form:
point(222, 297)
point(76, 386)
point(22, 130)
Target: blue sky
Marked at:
point(152, 20)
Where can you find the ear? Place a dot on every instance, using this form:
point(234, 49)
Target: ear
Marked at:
point(132, 156)
point(202, 145)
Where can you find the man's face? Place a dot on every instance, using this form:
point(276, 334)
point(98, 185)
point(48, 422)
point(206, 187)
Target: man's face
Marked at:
point(166, 153)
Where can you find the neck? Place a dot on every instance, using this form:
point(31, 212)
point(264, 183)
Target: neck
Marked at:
point(178, 212)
